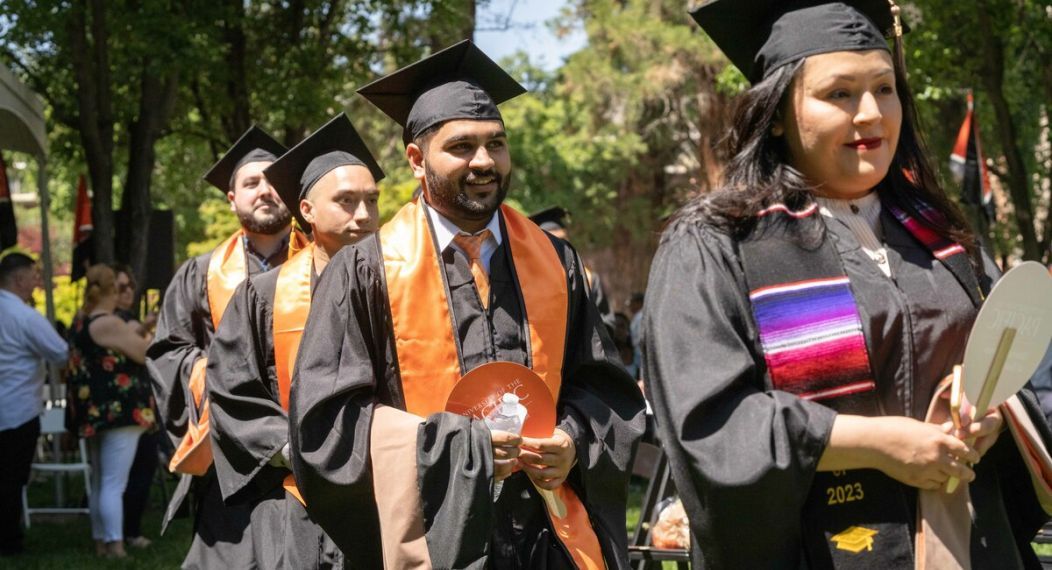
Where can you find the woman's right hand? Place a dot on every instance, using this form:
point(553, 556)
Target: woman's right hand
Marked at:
point(915, 453)
point(920, 454)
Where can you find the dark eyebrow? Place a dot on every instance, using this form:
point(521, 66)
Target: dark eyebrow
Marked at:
point(852, 77)
point(469, 138)
point(354, 191)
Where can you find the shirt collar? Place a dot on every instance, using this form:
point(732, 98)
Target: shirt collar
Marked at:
point(274, 259)
point(445, 230)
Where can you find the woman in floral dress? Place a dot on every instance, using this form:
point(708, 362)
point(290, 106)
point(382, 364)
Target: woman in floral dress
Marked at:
point(111, 402)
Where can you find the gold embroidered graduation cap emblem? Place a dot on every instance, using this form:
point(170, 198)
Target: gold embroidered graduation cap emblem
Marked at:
point(855, 539)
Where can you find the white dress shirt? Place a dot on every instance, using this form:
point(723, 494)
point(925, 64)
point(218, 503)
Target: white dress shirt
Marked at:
point(446, 230)
point(862, 216)
point(27, 339)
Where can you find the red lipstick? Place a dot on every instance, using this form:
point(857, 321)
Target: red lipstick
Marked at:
point(866, 144)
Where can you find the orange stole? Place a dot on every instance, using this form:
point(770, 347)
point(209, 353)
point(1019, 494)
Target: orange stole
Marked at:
point(427, 350)
point(291, 307)
point(227, 268)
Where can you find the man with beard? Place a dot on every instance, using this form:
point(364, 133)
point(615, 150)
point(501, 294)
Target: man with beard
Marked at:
point(456, 280)
point(329, 183)
point(193, 306)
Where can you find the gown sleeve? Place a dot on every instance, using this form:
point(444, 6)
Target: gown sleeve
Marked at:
point(249, 427)
point(743, 456)
point(176, 347)
point(602, 301)
point(345, 371)
point(601, 408)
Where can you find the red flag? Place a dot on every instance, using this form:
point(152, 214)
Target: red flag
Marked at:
point(8, 227)
point(83, 247)
point(969, 166)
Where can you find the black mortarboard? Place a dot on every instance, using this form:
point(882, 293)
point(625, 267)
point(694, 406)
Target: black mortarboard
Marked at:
point(549, 219)
point(759, 36)
point(253, 146)
point(335, 144)
point(459, 82)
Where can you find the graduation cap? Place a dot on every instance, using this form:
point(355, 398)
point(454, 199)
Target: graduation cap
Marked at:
point(459, 82)
point(335, 144)
point(759, 36)
point(550, 219)
point(253, 146)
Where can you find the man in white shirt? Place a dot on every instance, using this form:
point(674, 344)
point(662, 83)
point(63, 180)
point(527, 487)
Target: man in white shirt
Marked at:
point(27, 339)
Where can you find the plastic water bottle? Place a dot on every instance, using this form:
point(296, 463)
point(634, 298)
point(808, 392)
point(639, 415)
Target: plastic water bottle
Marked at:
point(507, 417)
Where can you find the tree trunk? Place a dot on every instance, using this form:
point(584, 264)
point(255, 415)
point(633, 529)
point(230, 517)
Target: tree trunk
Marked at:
point(156, 101)
point(239, 119)
point(90, 63)
point(993, 80)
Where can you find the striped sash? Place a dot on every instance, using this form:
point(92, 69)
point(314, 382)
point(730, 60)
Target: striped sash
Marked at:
point(807, 316)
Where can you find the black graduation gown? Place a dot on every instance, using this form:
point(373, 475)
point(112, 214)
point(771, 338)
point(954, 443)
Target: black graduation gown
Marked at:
point(184, 333)
point(743, 455)
point(249, 427)
point(346, 367)
point(597, 293)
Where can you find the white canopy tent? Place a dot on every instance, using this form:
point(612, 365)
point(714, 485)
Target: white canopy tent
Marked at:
point(24, 129)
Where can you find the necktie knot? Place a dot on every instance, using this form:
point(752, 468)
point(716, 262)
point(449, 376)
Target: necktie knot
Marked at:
point(472, 244)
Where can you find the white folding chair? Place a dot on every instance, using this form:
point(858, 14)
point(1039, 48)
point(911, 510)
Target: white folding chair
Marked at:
point(52, 422)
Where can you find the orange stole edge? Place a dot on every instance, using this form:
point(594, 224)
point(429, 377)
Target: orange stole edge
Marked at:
point(420, 309)
point(292, 297)
point(194, 454)
point(420, 316)
point(226, 270)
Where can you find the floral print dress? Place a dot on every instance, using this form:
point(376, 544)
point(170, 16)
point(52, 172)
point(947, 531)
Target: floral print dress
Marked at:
point(106, 389)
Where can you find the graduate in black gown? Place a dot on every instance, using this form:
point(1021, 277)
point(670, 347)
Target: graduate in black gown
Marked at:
point(185, 328)
point(395, 320)
point(801, 320)
point(329, 182)
point(553, 221)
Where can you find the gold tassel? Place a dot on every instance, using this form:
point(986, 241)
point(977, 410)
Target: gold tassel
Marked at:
point(897, 21)
point(900, 51)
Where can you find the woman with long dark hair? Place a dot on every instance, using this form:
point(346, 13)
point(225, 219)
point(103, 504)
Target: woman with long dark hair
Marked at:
point(802, 320)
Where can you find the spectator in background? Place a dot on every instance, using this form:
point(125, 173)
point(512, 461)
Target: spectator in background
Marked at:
point(137, 492)
point(27, 340)
point(111, 400)
point(553, 221)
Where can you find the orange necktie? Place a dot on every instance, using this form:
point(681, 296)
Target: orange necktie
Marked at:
point(472, 246)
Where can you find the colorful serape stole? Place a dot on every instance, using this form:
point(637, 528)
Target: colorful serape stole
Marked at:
point(949, 253)
point(806, 314)
point(812, 338)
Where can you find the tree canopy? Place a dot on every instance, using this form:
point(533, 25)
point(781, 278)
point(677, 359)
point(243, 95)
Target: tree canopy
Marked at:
point(143, 96)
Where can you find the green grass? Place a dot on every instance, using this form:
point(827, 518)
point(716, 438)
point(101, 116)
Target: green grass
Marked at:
point(64, 542)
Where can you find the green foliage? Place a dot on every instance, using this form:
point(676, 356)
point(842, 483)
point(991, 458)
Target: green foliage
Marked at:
point(393, 195)
point(219, 223)
point(68, 298)
point(946, 56)
point(599, 136)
